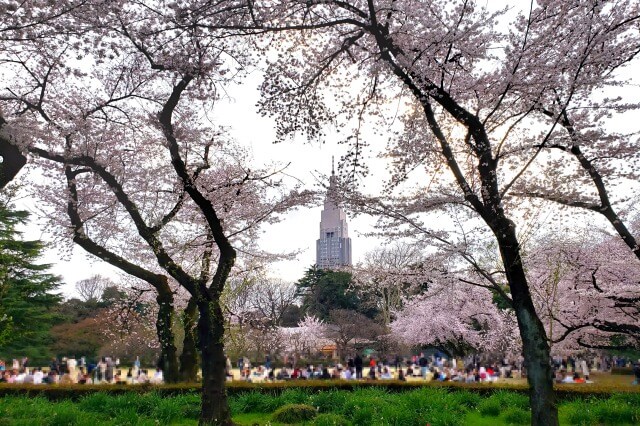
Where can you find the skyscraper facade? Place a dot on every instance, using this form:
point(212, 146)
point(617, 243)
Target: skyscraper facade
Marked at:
point(333, 248)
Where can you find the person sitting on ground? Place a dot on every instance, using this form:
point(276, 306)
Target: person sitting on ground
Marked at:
point(372, 373)
point(158, 377)
point(577, 378)
point(142, 377)
point(66, 378)
point(38, 375)
point(346, 374)
point(386, 374)
point(559, 376)
point(568, 378)
point(401, 375)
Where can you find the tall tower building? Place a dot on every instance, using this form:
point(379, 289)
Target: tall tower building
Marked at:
point(333, 248)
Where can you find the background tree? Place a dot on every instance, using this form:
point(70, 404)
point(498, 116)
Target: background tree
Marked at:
point(351, 330)
point(27, 297)
point(390, 275)
point(92, 288)
point(322, 290)
point(586, 290)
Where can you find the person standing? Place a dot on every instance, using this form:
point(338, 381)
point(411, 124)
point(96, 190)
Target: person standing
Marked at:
point(424, 365)
point(357, 362)
point(585, 368)
point(267, 362)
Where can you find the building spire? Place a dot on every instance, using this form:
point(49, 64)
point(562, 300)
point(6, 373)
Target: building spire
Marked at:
point(333, 169)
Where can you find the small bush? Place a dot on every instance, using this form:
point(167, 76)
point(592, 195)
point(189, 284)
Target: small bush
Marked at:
point(443, 418)
point(614, 412)
point(361, 415)
point(465, 398)
point(294, 413)
point(328, 419)
point(294, 396)
point(511, 399)
point(251, 402)
point(517, 416)
point(328, 401)
point(579, 413)
point(489, 407)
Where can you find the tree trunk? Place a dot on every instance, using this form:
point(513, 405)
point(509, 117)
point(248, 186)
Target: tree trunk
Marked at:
point(189, 356)
point(12, 159)
point(164, 327)
point(535, 346)
point(215, 408)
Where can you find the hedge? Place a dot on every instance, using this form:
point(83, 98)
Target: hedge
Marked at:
point(58, 392)
point(622, 371)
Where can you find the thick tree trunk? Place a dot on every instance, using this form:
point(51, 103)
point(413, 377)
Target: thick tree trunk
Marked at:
point(164, 328)
point(12, 159)
point(535, 346)
point(189, 356)
point(215, 408)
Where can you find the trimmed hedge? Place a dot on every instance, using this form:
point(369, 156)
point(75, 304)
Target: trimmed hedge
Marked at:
point(622, 371)
point(74, 392)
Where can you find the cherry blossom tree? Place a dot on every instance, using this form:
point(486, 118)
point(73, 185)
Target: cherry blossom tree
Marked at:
point(115, 109)
point(586, 292)
point(391, 274)
point(307, 338)
point(458, 318)
point(476, 100)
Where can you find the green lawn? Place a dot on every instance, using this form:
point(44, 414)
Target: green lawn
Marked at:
point(370, 406)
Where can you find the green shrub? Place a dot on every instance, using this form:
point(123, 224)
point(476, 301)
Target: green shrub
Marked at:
point(510, 399)
point(579, 413)
point(251, 402)
point(294, 396)
point(329, 419)
point(443, 418)
point(294, 413)
point(465, 398)
point(361, 415)
point(615, 412)
point(627, 398)
point(167, 410)
point(489, 407)
point(517, 416)
point(328, 401)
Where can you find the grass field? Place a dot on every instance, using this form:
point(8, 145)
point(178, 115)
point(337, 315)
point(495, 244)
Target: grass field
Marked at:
point(372, 406)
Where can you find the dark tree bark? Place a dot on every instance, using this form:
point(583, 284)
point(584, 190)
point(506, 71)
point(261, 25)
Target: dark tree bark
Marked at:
point(215, 407)
point(535, 345)
point(164, 328)
point(189, 356)
point(12, 159)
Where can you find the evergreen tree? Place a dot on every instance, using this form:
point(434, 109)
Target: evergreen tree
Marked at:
point(323, 290)
point(26, 298)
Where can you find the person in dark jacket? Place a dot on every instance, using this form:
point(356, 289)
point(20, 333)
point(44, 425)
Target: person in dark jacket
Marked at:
point(358, 365)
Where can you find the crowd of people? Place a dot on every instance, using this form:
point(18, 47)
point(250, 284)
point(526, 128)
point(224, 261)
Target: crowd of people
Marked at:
point(473, 369)
point(77, 371)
